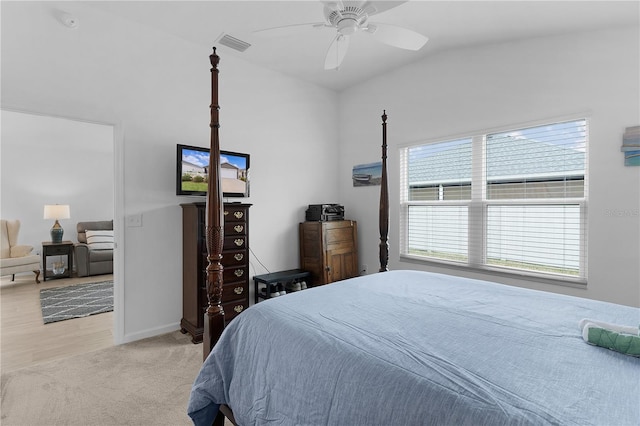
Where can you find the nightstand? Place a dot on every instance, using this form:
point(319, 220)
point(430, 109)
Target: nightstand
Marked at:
point(64, 248)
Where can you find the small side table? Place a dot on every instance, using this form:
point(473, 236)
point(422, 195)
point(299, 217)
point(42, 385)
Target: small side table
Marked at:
point(64, 248)
point(281, 277)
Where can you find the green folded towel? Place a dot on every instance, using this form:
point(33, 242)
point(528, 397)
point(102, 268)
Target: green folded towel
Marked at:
point(623, 339)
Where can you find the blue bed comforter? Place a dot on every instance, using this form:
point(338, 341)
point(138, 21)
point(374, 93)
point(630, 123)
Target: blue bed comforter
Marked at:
point(411, 348)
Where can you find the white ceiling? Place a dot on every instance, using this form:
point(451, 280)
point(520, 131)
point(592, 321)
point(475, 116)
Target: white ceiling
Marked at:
point(448, 24)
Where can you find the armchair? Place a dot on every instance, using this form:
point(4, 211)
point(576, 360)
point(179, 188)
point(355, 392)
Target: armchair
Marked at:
point(93, 253)
point(16, 258)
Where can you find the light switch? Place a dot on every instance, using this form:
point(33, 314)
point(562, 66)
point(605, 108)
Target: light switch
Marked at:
point(134, 220)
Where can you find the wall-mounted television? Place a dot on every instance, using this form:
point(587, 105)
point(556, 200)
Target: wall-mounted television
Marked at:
point(192, 172)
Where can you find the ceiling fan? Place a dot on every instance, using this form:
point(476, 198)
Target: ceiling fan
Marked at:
point(349, 18)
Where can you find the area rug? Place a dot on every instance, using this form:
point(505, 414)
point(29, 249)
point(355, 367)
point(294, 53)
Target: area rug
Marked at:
point(76, 301)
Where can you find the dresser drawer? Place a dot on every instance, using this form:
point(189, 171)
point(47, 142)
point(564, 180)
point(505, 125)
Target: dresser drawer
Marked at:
point(58, 250)
point(234, 242)
point(234, 291)
point(229, 258)
point(235, 273)
point(234, 258)
point(235, 213)
point(232, 294)
point(235, 228)
point(232, 309)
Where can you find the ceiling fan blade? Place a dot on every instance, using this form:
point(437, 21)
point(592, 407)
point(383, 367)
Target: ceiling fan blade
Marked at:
point(289, 29)
point(375, 7)
point(397, 36)
point(333, 4)
point(336, 52)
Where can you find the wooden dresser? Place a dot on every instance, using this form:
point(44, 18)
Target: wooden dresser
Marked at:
point(329, 250)
point(235, 261)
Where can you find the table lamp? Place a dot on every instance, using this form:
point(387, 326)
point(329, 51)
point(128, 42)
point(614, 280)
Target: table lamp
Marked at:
point(56, 211)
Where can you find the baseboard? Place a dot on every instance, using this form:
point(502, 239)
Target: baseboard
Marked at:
point(151, 332)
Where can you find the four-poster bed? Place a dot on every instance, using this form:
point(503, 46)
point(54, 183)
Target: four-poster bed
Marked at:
point(406, 347)
point(214, 316)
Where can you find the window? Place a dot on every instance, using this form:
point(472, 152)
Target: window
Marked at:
point(510, 201)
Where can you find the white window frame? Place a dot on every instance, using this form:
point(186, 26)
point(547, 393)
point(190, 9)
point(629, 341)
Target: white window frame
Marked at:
point(478, 207)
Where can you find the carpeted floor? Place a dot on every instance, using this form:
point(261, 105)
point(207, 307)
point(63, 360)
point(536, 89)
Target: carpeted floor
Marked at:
point(140, 383)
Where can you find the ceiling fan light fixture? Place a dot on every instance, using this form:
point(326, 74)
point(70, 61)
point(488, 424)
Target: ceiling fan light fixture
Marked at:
point(347, 26)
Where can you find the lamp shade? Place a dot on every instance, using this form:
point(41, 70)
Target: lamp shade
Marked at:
point(56, 211)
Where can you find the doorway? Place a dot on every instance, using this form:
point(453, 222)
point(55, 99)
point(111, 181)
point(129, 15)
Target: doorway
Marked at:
point(54, 160)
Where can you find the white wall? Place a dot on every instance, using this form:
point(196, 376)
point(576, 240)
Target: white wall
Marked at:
point(155, 89)
point(53, 160)
point(460, 92)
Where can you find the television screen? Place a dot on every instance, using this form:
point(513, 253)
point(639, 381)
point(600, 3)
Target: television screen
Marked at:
point(192, 172)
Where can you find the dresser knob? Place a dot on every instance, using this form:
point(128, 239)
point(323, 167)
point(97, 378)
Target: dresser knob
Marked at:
point(239, 242)
point(238, 272)
point(226, 213)
point(238, 215)
point(238, 228)
point(238, 256)
point(238, 290)
point(238, 308)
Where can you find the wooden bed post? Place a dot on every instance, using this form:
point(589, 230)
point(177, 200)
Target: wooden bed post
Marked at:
point(214, 316)
point(384, 201)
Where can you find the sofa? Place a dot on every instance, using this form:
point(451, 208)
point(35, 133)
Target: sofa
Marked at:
point(14, 257)
point(93, 252)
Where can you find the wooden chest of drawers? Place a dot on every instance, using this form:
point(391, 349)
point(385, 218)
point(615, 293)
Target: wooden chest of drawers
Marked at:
point(329, 250)
point(235, 261)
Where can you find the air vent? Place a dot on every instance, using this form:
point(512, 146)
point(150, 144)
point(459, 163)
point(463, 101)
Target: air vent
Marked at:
point(234, 43)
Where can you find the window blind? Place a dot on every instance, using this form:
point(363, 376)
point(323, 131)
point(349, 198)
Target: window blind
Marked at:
point(439, 178)
point(439, 232)
point(542, 238)
point(511, 200)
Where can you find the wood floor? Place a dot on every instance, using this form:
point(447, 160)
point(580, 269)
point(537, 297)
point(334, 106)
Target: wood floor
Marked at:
point(25, 340)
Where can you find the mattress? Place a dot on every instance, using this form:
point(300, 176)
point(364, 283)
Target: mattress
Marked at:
point(410, 348)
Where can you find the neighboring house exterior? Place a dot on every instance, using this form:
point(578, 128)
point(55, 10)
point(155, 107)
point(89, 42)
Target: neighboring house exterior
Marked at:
point(193, 169)
point(229, 171)
point(453, 167)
